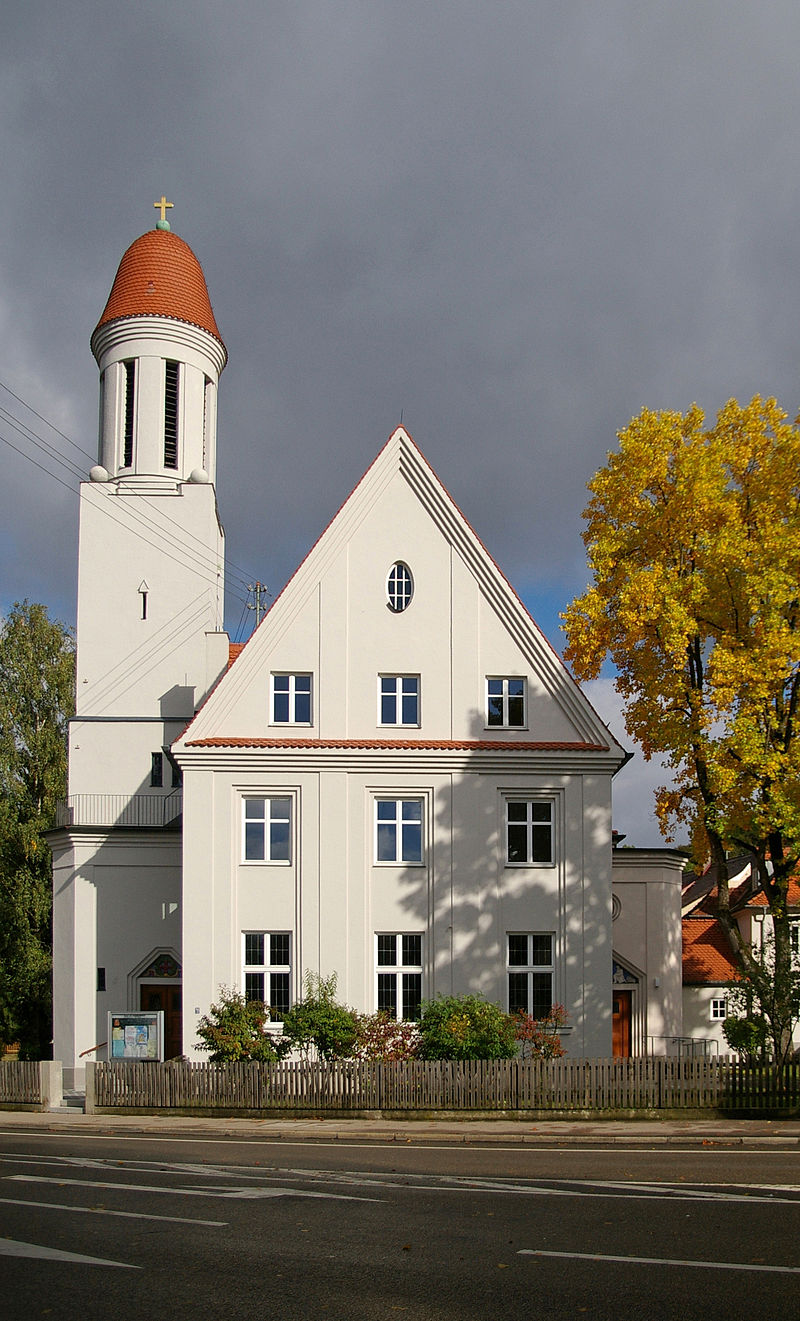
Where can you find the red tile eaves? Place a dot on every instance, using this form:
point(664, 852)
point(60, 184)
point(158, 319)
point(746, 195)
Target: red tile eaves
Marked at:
point(421, 745)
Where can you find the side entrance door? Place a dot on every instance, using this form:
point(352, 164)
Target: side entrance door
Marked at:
point(166, 996)
point(621, 1024)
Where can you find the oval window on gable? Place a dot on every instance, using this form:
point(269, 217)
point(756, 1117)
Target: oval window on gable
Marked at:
point(399, 586)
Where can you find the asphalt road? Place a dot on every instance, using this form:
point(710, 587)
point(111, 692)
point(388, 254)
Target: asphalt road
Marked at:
point(106, 1226)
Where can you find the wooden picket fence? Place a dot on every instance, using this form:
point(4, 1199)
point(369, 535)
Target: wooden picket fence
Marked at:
point(20, 1082)
point(563, 1085)
point(30, 1084)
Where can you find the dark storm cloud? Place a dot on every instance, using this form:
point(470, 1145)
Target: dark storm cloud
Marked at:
point(518, 223)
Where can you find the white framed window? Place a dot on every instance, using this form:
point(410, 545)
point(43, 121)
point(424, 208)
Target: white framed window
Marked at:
point(529, 970)
point(266, 829)
point(398, 699)
point(505, 703)
point(399, 587)
point(290, 699)
point(529, 832)
point(398, 830)
point(398, 974)
point(719, 1008)
point(267, 970)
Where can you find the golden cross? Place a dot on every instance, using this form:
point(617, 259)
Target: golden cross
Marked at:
point(163, 204)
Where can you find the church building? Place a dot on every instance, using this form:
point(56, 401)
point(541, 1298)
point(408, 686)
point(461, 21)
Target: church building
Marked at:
point(395, 780)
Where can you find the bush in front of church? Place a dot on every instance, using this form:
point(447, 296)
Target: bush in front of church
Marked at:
point(465, 1027)
point(235, 1029)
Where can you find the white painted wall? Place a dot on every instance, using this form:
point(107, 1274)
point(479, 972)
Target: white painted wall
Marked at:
point(647, 939)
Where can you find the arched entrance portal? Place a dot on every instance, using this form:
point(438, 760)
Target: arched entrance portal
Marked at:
point(626, 1012)
point(157, 985)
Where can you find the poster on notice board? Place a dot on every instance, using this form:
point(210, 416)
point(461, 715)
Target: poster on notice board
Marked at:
point(136, 1036)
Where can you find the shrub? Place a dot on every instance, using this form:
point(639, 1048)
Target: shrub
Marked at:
point(234, 1029)
point(465, 1027)
point(538, 1037)
point(383, 1038)
point(747, 1036)
point(317, 1024)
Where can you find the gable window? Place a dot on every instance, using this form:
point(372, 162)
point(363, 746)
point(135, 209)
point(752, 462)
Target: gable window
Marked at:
point(530, 972)
point(171, 415)
point(399, 699)
point(529, 832)
point(266, 829)
point(266, 965)
point(399, 587)
point(291, 699)
point(398, 830)
point(398, 974)
point(505, 703)
point(719, 1009)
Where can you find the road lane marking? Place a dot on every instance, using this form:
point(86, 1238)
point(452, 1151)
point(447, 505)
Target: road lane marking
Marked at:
point(227, 1193)
point(103, 1211)
point(660, 1261)
point(9, 1247)
point(630, 1191)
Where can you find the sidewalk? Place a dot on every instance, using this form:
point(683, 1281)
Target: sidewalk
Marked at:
point(645, 1132)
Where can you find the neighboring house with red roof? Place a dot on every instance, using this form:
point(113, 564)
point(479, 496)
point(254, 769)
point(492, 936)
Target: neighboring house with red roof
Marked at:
point(709, 963)
point(396, 780)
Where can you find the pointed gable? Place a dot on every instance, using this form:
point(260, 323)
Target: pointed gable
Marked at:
point(334, 622)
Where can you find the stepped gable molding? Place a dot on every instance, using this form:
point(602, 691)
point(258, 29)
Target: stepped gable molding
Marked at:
point(400, 453)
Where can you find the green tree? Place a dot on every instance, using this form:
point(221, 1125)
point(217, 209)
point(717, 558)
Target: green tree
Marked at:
point(235, 1029)
point(37, 681)
point(318, 1024)
point(465, 1027)
point(693, 538)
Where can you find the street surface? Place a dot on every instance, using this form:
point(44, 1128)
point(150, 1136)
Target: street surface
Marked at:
point(104, 1225)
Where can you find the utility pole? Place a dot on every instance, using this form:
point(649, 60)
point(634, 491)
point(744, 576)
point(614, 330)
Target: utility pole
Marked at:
point(259, 589)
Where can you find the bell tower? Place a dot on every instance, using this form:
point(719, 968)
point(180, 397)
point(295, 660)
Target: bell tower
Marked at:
point(160, 356)
point(150, 641)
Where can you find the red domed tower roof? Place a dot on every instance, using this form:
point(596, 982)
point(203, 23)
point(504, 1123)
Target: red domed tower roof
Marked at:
point(159, 275)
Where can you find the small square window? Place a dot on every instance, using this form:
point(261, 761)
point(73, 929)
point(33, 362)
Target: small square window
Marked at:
point(719, 1008)
point(267, 829)
point(291, 699)
point(399, 699)
point(505, 703)
point(398, 830)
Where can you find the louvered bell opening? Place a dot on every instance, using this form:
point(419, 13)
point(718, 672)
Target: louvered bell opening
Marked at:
point(171, 415)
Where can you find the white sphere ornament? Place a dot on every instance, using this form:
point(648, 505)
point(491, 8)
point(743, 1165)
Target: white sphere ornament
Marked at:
point(199, 476)
point(98, 473)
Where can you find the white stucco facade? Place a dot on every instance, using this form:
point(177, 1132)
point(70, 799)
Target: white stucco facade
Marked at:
point(396, 781)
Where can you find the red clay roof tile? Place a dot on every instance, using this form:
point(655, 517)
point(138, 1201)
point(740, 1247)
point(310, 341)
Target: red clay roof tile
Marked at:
point(159, 275)
point(707, 956)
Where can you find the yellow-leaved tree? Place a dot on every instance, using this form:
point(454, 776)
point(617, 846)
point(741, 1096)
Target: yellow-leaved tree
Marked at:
point(693, 538)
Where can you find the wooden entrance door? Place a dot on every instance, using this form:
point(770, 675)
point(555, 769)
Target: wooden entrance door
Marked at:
point(621, 1024)
point(166, 996)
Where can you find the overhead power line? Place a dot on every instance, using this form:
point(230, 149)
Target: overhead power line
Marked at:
point(238, 581)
